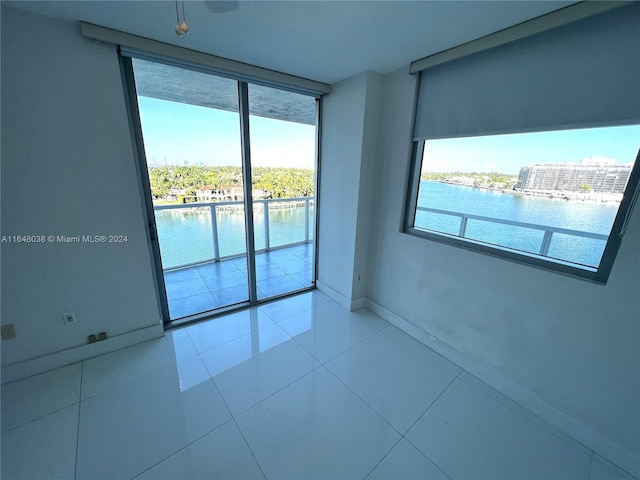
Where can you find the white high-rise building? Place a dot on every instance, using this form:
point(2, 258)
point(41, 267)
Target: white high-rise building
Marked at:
point(596, 175)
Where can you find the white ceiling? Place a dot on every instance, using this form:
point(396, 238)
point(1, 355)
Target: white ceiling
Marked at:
point(326, 41)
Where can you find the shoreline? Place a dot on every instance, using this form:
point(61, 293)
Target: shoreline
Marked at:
point(545, 194)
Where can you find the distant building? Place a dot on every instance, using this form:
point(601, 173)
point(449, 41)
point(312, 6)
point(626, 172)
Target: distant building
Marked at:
point(226, 193)
point(594, 175)
point(175, 193)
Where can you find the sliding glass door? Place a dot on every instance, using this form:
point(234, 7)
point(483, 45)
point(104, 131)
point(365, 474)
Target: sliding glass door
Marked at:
point(209, 155)
point(282, 126)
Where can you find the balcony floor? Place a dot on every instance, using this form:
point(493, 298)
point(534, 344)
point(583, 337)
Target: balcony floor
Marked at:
point(208, 286)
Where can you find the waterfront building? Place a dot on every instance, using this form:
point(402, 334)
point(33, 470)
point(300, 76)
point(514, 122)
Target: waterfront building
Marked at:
point(227, 193)
point(589, 176)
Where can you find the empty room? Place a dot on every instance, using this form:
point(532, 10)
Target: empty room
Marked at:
point(320, 240)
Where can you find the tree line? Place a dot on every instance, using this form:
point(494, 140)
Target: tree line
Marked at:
point(277, 182)
point(492, 180)
point(491, 176)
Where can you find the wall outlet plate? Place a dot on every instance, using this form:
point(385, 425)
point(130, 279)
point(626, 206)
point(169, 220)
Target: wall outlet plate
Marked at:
point(69, 318)
point(8, 332)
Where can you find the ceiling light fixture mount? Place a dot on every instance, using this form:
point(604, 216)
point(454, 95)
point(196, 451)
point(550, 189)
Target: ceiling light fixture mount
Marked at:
point(181, 27)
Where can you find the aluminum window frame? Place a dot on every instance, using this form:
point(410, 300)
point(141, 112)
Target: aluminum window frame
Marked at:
point(125, 57)
point(540, 29)
point(599, 275)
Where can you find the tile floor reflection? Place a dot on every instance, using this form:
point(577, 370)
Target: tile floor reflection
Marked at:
point(299, 388)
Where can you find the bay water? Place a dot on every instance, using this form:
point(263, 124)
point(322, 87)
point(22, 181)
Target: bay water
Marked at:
point(569, 214)
point(186, 234)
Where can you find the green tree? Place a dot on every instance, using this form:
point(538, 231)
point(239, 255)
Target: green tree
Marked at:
point(276, 182)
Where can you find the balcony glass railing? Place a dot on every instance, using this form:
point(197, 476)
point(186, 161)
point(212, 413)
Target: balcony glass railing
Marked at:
point(194, 233)
point(572, 246)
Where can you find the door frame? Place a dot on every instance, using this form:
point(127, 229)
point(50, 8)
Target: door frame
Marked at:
point(133, 113)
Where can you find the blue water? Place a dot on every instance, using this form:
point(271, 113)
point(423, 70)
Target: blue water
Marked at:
point(569, 214)
point(186, 234)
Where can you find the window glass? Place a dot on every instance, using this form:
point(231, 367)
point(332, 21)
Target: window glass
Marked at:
point(551, 195)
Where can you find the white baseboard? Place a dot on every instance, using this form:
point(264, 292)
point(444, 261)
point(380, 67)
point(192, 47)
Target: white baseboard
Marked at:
point(517, 392)
point(349, 304)
point(35, 366)
point(333, 294)
point(359, 303)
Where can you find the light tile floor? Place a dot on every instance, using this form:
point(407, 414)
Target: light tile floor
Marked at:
point(213, 285)
point(296, 389)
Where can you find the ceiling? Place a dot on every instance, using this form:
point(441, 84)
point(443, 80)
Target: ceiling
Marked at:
point(326, 41)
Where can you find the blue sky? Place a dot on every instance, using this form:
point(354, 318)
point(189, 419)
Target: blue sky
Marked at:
point(179, 132)
point(507, 153)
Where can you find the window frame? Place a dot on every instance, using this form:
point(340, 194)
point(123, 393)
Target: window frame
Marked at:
point(599, 275)
point(125, 59)
point(466, 90)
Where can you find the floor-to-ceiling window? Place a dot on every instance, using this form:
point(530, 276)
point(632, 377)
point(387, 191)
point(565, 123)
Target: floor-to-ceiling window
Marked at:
point(210, 156)
point(283, 188)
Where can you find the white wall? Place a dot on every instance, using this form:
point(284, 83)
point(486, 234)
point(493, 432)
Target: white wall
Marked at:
point(366, 189)
point(572, 343)
point(68, 169)
point(341, 154)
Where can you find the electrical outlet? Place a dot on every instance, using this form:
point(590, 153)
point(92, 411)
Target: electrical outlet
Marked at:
point(69, 318)
point(8, 332)
point(97, 337)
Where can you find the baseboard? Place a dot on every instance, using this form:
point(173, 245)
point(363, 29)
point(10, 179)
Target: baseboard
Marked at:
point(349, 304)
point(333, 294)
point(517, 393)
point(35, 366)
point(358, 303)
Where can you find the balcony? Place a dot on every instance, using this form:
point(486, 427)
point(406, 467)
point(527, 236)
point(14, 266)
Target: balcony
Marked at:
point(203, 250)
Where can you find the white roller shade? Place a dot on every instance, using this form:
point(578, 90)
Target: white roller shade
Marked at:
point(583, 74)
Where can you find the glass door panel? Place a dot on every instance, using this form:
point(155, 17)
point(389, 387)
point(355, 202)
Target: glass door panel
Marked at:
point(190, 125)
point(283, 152)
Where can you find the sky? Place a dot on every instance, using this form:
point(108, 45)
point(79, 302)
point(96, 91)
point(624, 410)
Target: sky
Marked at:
point(507, 153)
point(178, 132)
